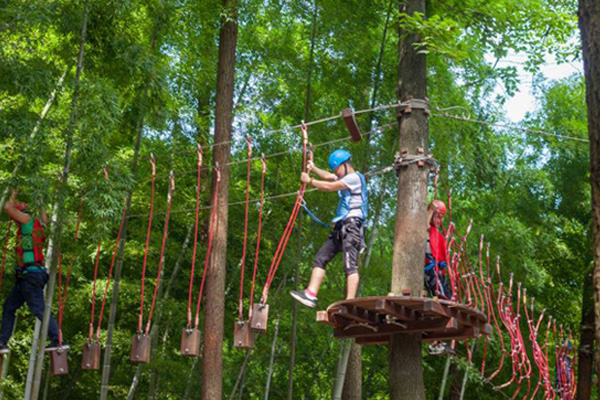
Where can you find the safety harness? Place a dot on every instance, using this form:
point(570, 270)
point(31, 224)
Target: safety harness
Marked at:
point(22, 247)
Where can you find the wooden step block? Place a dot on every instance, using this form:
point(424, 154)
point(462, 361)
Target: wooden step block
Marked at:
point(91, 356)
point(140, 349)
point(190, 342)
point(58, 362)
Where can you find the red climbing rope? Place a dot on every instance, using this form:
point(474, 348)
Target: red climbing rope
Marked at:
point(258, 232)
point(62, 295)
point(93, 308)
point(161, 258)
point(288, 229)
point(110, 270)
point(245, 243)
point(148, 232)
point(191, 287)
point(211, 232)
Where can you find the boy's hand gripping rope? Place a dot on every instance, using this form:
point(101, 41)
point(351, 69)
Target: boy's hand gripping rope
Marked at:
point(288, 229)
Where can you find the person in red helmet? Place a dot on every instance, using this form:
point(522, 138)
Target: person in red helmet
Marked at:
point(436, 252)
point(436, 264)
point(30, 272)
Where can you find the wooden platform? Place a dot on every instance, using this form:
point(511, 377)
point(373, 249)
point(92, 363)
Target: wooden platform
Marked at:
point(372, 320)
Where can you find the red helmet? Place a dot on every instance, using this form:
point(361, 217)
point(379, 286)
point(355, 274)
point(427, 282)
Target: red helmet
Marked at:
point(438, 205)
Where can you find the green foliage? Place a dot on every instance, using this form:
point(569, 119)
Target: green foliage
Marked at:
point(151, 65)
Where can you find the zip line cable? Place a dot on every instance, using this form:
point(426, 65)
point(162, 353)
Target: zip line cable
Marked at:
point(508, 126)
point(290, 151)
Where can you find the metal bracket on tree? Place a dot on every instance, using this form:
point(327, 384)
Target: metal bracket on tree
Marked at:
point(404, 159)
point(406, 107)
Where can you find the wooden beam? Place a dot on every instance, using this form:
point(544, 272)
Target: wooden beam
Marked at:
point(468, 333)
point(413, 327)
point(359, 314)
point(384, 306)
point(351, 124)
point(373, 340)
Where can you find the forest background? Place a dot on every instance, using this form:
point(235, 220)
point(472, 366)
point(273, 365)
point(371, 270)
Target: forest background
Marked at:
point(151, 67)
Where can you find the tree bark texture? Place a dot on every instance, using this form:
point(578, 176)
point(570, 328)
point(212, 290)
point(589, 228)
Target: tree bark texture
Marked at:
point(586, 343)
point(212, 351)
point(353, 382)
point(405, 360)
point(589, 24)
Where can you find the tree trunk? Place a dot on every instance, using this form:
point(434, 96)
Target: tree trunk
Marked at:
point(445, 378)
point(271, 361)
point(57, 228)
point(212, 351)
point(353, 382)
point(6, 362)
point(340, 369)
point(589, 24)
point(586, 343)
point(456, 383)
point(405, 359)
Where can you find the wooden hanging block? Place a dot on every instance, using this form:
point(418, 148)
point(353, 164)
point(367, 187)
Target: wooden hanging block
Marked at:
point(351, 124)
point(190, 342)
point(91, 356)
point(140, 349)
point(243, 337)
point(58, 362)
point(260, 315)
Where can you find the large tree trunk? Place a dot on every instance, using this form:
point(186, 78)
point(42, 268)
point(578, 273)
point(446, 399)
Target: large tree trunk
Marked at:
point(212, 351)
point(589, 23)
point(353, 382)
point(405, 360)
point(586, 342)
point(52, 259)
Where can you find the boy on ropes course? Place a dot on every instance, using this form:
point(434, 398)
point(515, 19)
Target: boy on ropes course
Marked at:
point(347, 235)
point(30, 273)
point(436, 263)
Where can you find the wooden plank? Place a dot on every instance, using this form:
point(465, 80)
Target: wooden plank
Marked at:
point(358, 314)
point(351, 124)
point(464, 334)
point(383, 306)
point(390, 329)
point(433, 308)
point(323, 317)
point(365, 341)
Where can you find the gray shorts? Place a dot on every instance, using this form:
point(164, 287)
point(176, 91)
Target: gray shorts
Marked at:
point(348, 238)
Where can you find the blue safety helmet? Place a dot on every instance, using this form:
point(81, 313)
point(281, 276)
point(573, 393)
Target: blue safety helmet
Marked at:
point(338, 157)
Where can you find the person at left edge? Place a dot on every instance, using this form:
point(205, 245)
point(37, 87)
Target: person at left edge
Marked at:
point(30, 272)
point(347, 236)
